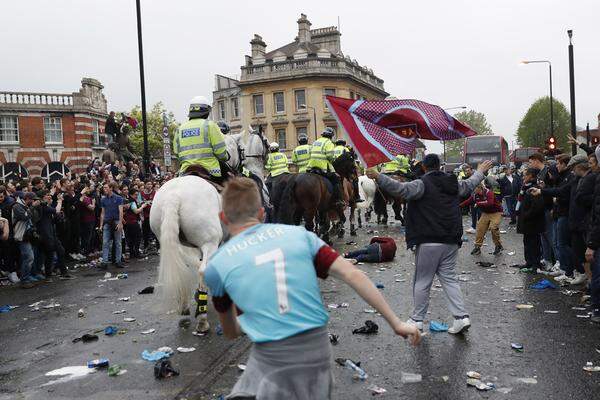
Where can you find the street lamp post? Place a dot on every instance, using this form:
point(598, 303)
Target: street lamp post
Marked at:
point(146, 156)
point(551, 98)
point(572, 86)
point(314, 116)
point(447, 109)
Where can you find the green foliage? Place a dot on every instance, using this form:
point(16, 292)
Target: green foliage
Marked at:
point(478, 122)
point(155, 128)
point(534, 127)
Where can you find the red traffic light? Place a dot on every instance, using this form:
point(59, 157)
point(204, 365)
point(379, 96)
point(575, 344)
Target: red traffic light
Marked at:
point(552, 140)
point(552, 146)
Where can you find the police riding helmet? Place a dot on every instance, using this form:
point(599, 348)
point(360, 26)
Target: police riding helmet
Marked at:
point(340, 142)
point(199, 107)
point(303, 139)
point(328, 133)
point(224, 127)
point(273, 147)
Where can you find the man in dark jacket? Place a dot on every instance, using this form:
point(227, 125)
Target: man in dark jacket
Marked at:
point(592, 254)
point(531, 222)
point(111, 128)
point(44, 218)
point(434, 228)
point(510, 185)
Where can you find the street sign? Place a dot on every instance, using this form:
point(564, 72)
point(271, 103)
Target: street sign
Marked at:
point(166, 143)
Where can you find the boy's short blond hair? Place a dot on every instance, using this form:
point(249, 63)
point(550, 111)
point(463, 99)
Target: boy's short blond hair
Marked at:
point(241, 200)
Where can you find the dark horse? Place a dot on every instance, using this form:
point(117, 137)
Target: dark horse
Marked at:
point(308, 196)
point(382, 199)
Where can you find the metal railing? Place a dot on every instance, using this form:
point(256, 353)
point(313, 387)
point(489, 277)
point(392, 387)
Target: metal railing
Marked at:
point(37, 99)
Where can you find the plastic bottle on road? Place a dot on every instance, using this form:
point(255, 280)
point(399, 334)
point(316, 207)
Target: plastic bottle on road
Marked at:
point(362, 375)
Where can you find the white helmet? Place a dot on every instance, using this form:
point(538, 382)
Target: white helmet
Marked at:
point(199, 103)
point(274, 146)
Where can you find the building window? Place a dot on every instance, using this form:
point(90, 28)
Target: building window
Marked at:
point(300, 96)
point(279, 101)
point(301, 131)
point(9, 129)
point(95, 132)
point(352, 95)
point(281, 138)
point(259, 107)
point(53, 130)
point(235, 107)
point(327, 92)
point(222, 110)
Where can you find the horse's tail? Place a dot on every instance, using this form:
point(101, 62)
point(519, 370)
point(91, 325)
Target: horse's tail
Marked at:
point(174, 277)
point(287, 204)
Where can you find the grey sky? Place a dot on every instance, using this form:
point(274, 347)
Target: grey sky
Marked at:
point(450, 53)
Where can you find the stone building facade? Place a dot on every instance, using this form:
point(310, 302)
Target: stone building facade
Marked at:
point(283, 90)
point(49, 134)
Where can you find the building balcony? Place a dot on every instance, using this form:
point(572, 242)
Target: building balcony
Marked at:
point(17, 101)
point(290, 69)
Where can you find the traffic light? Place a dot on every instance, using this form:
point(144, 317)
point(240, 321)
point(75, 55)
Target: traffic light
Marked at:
point(551, 143)
point(595, 140)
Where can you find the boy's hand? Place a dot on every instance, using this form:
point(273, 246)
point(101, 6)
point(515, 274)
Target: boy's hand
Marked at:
point(409, 332)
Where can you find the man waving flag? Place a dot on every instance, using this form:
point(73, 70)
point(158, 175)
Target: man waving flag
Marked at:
point(381, 129)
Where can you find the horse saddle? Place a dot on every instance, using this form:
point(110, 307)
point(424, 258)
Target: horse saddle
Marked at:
point(201, 172)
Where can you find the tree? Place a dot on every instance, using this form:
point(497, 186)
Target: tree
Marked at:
point(477, 121)
point(155, 129)
point(534, 127)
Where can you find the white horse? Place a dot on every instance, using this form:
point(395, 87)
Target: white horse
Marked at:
point(366, 190)
point(254, 152)
point(188, 207)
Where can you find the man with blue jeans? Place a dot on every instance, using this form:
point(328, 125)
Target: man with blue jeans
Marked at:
point(21, 216)
point(111, 223)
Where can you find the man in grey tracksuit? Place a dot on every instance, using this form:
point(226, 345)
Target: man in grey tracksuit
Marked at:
point(434, 229)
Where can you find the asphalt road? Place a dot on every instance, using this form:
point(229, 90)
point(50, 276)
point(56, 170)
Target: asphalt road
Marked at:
point(556, 345)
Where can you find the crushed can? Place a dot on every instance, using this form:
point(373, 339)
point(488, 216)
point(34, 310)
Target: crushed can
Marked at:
point(98, 363)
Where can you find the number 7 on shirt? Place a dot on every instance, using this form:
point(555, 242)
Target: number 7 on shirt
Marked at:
point(276, 256)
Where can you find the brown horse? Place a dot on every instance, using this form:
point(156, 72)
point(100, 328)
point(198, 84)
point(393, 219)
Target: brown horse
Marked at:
point(308, 196)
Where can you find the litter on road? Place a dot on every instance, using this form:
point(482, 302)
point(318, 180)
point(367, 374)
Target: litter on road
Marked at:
point(147, 290)
point(543, 284)
point(336, 305)
point(550, 312)
point(110, 330)
point(164, 369)
point(480, 385)
point(124, 298)
point(529, 381)
point(186, 349)
point(148, 331)
point(116, 370)
point(81, 313)
point(156, 355)
point(120, 312)
point(333, 338)
point(369, 328)
point(351, 365)
point(98, 363)
point(409, 377)
point(524, 306)
point(435, 326)
point(86, 338)
point(517, 347)
point(473, 375)
point(241, 367)
point(590, 367)
point(376, 389)
point(129, 319)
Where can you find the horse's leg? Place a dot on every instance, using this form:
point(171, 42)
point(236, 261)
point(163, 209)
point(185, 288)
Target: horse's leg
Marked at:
point(202, 294)
point(359, 218)
point(309, 220)
point(324, 227)
point(352, 219)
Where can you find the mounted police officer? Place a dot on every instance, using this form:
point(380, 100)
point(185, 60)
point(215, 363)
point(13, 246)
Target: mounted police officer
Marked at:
point(301, 154)
point(340, 148)
point(277, 164)
point(199, 143)
point(321, 157)
point(399, 165)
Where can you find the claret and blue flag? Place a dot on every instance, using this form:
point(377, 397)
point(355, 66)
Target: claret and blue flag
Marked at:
point(381, 129)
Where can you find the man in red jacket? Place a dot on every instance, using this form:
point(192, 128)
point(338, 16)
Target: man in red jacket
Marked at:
point(490, 206)
point(381, 249)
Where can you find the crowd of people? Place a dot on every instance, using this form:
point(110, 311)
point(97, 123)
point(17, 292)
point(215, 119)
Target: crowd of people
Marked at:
point(45, 225)
point(554, 204)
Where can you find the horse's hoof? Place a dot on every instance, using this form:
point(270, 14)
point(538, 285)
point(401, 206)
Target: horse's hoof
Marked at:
point(203, 326)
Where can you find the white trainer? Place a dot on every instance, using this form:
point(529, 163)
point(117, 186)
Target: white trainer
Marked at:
point(471, 230)
point(556, 265)
point(563, 278)
point(13, 277)
point(578, 278)
point(418, 324)
point(460, 326)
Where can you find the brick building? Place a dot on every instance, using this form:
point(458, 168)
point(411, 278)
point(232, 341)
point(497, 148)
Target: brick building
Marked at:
point(49, 134)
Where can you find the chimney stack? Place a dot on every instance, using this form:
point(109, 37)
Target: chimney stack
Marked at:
point(303, 29)
point(259, 47)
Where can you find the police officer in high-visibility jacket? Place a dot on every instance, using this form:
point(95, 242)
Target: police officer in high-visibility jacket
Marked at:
point(321, 156)
point(399, 165)
point(340, 148)
point(301, 153)
point(277, 164)
point(199, 142)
